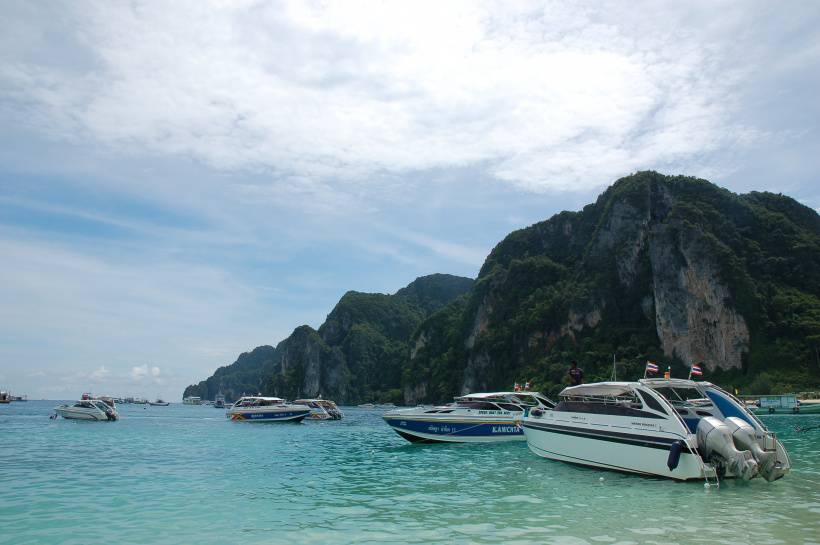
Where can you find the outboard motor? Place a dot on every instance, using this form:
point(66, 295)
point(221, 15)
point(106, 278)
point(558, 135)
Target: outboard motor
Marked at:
point(110, 415)
point(715, 441)
point(763, 447)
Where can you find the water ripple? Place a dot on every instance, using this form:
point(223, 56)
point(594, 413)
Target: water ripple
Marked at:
point(180, 474)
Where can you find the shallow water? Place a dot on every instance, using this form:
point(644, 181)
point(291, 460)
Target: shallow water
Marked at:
point(185, 474)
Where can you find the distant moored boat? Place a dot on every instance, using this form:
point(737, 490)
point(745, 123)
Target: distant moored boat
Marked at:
point(266, 409)
point(321, 409)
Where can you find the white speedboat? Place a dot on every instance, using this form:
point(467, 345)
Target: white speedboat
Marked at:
point(266, 409)
point(192, 400)
point(473, 418)
point(321, 409)
point(88, 409)
point(680, 429)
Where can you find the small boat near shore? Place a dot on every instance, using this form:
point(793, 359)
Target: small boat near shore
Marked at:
point(5, 397)
point(266, 409)
point(159, 403)
point(219, 401)
point(780, 404)
point(473, 418)
point(673, 428)
point(321, 409)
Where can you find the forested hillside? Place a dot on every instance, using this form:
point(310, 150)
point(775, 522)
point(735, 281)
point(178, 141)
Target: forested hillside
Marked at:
point(672, 269)
point(666, 268)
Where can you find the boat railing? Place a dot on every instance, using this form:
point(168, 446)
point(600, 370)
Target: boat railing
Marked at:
point(604, 400)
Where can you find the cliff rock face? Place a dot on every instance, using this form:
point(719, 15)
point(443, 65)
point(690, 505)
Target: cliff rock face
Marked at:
point(672, 269)
point(693, 316)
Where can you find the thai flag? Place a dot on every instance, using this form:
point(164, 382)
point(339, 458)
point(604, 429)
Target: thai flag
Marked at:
point(526, 386)
point(696, 370)
point(651, 367)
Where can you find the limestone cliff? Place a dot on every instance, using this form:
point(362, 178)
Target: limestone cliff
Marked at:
point(672, 269)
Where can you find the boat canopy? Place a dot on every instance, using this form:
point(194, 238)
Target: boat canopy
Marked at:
point(496, 395)
point(613, 389)
point(518, 398)
point(316, 402)
point(247, 401)
point(616, 389)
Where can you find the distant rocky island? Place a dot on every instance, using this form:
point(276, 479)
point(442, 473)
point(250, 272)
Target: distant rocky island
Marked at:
point(666, 268)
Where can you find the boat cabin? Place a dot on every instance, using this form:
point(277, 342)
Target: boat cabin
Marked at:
point(317, 403)
point(92, 404)
point(258, 401)
point(496, 401)
point(653, 398)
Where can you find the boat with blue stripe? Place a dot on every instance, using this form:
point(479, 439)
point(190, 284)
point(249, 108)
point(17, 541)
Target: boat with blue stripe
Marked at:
point(472, 418)
point(266, 409)
point(672, 428)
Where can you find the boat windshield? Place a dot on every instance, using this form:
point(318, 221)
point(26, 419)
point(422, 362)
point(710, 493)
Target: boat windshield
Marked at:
point(625, 403)
point(683, 396)
point(531, 400)
point(101, 406)
point(84, 404)
point(257, 402)
point(478, 405)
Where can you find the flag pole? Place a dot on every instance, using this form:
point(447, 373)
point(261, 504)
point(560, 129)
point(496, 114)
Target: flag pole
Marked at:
point(645, 369)
point(690, 372)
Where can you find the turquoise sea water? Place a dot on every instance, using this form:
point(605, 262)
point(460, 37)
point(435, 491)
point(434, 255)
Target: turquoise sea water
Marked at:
point(184, 474)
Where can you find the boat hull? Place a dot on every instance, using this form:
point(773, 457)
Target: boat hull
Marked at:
point(290, 415)
point(806, 408)
point(628, 452)
point(417, 430)
point(70, 414)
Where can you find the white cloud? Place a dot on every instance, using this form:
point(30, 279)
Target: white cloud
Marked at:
point(155, 372)
point(99, 374)
point(139, 372)
point(541, 95)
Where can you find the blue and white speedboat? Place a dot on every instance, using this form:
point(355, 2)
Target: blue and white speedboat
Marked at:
point(473, 418)
point(266, 409)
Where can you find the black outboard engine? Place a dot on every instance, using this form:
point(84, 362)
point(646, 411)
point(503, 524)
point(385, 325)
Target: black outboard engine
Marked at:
point(110, 415)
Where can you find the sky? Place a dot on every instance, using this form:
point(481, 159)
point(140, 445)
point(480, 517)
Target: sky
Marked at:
point(182, 182)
